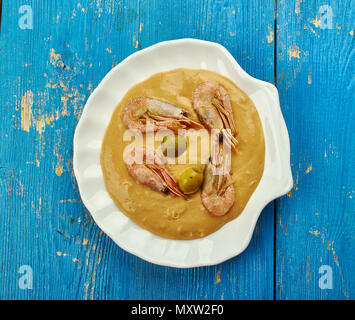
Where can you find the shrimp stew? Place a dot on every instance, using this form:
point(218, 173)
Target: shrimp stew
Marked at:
point(163, 208)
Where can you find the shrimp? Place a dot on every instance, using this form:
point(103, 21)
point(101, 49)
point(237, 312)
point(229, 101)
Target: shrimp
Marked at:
point(148, 168)
point(213, 107)
point(218, 194)
point(141, 111)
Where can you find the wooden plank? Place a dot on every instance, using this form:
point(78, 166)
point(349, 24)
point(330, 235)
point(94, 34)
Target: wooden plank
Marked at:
point(48, 72)
point(0, 12)
point(315, 224)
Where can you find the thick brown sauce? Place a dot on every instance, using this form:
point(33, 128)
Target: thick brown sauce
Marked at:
point(167, 216)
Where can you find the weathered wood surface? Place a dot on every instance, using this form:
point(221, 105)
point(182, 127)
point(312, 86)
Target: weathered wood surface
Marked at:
point(315, 78)
point(47, 74)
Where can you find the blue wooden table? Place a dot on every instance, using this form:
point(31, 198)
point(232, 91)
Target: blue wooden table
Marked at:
point(52, 56)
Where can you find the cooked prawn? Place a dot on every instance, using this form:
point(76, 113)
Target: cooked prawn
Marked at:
point(141, 112)
point(213, 107)
point(218, 194)
point(148, 168)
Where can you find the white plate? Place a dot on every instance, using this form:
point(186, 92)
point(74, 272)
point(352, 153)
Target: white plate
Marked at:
point(233, 237)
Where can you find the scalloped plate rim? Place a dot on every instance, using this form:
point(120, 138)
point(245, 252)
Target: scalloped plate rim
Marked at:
point(288, 178)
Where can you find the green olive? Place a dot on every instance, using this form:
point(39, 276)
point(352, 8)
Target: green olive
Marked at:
point(173, 145)
point(190, 180)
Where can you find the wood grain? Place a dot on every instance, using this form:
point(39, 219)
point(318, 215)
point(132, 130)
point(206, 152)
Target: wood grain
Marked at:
point(315, 78)
point(47, 75)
